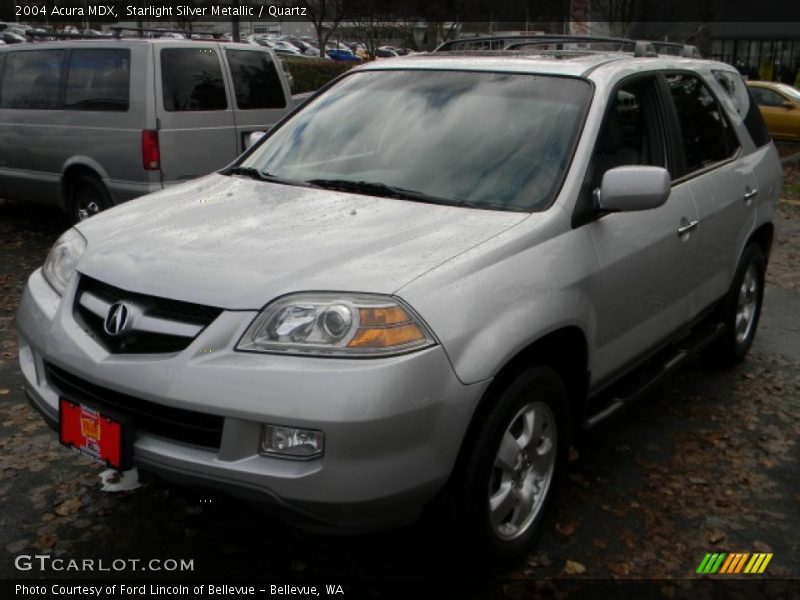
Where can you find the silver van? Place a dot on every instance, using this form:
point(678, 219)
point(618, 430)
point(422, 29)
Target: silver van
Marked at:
point(90, 124)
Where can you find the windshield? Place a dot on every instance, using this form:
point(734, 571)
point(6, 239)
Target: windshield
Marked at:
point(485, 140)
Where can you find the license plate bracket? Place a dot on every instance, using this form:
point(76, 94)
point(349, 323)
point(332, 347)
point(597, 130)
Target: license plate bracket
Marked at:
point(103, 436)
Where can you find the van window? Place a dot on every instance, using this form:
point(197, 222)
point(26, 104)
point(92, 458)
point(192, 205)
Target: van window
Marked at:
point(191, 79)
point(255, 80)
point(99, 79)
point(31, 79)
point(707, 136)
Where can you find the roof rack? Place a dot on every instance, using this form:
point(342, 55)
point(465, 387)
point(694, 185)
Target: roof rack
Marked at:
point(118, 32)
point(677, 49)
point(518, 42)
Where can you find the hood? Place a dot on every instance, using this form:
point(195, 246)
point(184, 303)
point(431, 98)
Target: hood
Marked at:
point(237, 243)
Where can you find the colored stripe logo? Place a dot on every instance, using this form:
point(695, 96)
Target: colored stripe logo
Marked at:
point(734, 562)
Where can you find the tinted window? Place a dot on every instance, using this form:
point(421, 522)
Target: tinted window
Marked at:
point(707, 135)
point(31, 79)
point(98, 80)
point(255, 80)
point(192, 79)
point(490, 140)
point(766, 97)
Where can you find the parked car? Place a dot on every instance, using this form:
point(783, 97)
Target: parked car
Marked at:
point(11, 38)
point(376, 312)
point(342, 53)
point(780, 106)
point(89, 124)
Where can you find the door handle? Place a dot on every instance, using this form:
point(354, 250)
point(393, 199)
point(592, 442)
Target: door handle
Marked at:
point(684, 229)
point(750, 195)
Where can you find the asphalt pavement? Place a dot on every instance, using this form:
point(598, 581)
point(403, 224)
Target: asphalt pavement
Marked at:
point(706, 463)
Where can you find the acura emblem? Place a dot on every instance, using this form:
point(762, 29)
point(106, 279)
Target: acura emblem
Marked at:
point(118, 319)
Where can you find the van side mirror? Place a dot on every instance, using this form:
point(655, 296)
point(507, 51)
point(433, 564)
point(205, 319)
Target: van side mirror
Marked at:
point(253, 138)
point(633, 188)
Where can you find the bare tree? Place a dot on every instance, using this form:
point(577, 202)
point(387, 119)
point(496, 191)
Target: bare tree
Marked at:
point(325, 15)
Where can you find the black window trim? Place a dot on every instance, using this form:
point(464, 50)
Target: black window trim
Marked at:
point(672, 109)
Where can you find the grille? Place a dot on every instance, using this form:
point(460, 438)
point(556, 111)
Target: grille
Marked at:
point(137, 341)
point(186, 426)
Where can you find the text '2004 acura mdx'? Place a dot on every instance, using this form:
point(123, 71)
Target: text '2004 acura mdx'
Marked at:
point(422, 285)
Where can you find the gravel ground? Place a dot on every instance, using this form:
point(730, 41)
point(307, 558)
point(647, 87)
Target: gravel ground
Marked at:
point(706, 463)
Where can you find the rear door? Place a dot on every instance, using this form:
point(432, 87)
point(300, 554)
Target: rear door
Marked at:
point(721, 180)
point(260, 93)
point(197, 133)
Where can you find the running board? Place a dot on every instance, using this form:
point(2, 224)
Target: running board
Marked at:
point(645, 377)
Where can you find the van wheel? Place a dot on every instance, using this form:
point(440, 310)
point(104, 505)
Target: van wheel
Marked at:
point(741, 308)
point(501, 494)
point(87, 197)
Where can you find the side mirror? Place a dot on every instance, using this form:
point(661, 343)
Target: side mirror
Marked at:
point(254, 137)
point(633, 188)
point(788, 105)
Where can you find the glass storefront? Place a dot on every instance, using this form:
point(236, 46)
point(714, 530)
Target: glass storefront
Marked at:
point(765, 59)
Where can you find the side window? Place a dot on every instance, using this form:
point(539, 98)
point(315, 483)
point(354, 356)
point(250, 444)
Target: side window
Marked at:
point(765, 97)
point(31, 79)
point(255, 80)
point(735, 88)
point(99, 80)
point(632, 132)
point(707, 136)
point(191, 79)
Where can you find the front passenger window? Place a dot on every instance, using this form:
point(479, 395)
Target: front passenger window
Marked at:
point(631, 132)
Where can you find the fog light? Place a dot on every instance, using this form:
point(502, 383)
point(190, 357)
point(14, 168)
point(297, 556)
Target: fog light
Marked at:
point(291, 442)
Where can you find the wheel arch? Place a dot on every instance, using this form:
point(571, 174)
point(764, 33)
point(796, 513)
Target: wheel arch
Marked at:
point(566, 351)
point(763, 236)
point(74, 168)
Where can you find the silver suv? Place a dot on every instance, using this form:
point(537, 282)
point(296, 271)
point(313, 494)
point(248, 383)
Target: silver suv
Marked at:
point(416, 290)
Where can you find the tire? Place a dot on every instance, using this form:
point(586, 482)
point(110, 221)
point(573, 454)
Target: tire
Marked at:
point(87, 197)
point(741, 308)
point(498, 498)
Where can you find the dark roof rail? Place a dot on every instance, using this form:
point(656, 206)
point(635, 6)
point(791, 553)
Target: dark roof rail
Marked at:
point(519, 42)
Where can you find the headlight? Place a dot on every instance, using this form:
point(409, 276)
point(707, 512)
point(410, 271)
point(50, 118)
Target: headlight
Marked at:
point(336, 324)
point(60, 263)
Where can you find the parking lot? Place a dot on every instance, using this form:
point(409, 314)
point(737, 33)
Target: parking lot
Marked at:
point(706, 463)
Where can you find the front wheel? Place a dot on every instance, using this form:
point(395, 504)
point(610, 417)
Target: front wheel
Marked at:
point(501, 493)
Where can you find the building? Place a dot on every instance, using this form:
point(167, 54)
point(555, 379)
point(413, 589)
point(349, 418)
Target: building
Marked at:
point(765, 51)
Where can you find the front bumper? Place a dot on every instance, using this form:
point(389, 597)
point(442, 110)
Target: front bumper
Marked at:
point(393, 426)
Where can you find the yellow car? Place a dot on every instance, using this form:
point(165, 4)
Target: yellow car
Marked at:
point(780, 105)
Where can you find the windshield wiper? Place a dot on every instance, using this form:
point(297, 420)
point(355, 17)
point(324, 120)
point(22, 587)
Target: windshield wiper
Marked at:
point(254, 173)
point(371, 188)
point(381, 189)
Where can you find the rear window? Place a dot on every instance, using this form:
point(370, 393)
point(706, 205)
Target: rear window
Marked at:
point(191, 79)
point(707, 136)
point(98, 80)
point(740, 94)
point(31, 79)
point(255, 80)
